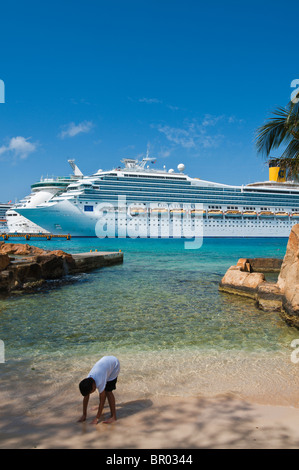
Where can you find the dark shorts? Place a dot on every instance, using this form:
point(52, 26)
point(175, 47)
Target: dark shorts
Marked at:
point(111, 385)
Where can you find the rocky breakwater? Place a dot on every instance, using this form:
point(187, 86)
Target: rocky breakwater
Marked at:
point(24, 267)
point(281, 296)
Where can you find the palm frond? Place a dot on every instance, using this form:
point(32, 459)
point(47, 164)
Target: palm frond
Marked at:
point(272, 134)
point(292, 150)
point(290, 165)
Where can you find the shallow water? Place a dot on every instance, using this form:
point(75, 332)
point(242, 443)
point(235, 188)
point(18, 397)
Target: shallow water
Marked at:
point(161, 313)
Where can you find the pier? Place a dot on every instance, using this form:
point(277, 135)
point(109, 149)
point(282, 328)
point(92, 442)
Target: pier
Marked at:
point(93, 260)
point(28, 236)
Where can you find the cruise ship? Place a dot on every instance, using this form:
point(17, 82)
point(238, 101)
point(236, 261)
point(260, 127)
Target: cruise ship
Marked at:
point(41, 192)
point(138, 200)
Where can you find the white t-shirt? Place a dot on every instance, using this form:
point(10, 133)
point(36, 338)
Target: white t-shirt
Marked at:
point(106, 369)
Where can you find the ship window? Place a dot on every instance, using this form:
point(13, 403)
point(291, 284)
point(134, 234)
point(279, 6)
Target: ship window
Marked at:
point(88, 208)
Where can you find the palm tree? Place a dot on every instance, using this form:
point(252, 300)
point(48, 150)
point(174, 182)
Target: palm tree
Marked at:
point(282, 129)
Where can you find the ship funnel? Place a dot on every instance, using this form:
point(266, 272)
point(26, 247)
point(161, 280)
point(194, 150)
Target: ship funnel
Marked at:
point(76, 170)
point(276, 173)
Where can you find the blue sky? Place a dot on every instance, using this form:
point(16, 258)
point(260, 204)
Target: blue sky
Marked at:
point(98, 81)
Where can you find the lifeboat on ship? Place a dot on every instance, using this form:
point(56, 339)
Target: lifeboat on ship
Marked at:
point(282, 214)
point(232, 213)
point(266, 214)
point(215, 213)
point(249, 214)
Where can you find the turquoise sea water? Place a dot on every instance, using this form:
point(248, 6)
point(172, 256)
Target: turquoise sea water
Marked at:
point(162, 314)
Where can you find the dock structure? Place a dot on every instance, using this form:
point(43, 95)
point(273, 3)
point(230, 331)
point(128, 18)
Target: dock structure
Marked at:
point(28, 236)
point(95, 259)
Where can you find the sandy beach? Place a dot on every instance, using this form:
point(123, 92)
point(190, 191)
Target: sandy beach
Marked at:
point(227, 401)
point(159, 422)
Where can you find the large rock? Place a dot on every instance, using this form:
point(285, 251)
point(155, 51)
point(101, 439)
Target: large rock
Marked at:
point(241, 282)
point(4, 261)
point(265, 265)
point(52, 266)
point(288, 279)
point(289, 273)
point(7, 281)
point(269, 297)
point(31, 265)
point(26, 272)
point(68, 260)
point(20, 249)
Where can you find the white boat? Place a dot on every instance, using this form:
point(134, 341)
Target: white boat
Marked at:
point(41, 192)
point(206, 207)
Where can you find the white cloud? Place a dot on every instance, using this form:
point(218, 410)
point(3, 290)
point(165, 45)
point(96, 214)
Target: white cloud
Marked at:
point(192, 135)
point(149, 100)
point(206, 133)
point(18, 147)
point(234, 120)
point(72, 129)
point(165, 152)
point(210, 120)
point(179, 136)
point(173, 108)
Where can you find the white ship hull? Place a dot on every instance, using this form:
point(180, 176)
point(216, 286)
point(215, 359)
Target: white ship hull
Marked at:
point(66, 218)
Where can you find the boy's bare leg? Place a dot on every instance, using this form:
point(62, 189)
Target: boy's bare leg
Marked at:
point(111, 401)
